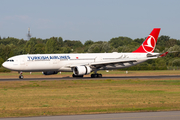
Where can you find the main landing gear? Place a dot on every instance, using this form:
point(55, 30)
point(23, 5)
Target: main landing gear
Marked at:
point(96, 75)
point(20, 75)
point(81, 76)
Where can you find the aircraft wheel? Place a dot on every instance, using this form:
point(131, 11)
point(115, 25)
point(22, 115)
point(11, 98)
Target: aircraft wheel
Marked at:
point(77, 75)
point(99, 75)
point(93, 75)
point(21, 77)
point(96, 75)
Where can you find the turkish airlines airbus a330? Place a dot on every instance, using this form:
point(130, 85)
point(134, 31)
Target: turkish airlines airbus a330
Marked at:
point(84, 63)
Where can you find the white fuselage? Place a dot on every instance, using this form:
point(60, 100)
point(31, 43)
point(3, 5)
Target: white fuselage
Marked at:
point(61, 62)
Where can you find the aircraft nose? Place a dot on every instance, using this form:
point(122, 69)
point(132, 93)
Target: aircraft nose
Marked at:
point(10, 66)
point(4, 64)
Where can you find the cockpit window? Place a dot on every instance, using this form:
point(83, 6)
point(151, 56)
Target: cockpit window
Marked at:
point(10, 60)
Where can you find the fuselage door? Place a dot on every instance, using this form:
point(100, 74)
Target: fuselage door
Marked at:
point(22, 61)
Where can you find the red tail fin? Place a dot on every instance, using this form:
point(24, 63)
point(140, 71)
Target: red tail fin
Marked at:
point(149, 44)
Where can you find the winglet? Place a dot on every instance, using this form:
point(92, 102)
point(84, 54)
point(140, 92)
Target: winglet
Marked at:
point(149, 44)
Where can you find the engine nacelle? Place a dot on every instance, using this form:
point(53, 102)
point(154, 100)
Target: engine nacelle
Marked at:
point(50, 72)
point(81, 70)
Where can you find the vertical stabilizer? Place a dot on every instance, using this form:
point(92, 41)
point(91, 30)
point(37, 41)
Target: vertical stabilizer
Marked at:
point(149, 44)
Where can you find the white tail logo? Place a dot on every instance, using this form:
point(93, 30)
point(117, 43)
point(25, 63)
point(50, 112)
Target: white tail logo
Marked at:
point(149, 43)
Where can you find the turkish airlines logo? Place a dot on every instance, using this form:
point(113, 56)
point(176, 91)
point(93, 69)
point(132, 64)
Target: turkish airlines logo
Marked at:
point(149, 44)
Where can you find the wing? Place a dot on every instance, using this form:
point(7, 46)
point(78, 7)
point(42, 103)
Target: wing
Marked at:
point(107, 62)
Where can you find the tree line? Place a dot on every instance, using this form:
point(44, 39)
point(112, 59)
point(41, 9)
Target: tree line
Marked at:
point(12, 46)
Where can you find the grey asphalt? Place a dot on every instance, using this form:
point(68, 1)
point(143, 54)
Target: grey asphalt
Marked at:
point(171, 115)
point(89, 78)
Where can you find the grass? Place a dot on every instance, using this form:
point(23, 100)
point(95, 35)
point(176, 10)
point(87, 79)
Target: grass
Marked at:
point(37, 98)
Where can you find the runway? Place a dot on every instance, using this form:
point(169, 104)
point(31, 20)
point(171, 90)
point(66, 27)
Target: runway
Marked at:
point(171, 115)
point(89, 78)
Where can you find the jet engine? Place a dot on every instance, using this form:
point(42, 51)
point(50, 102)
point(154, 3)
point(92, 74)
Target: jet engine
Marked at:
point(50, 72)
point(81, 70)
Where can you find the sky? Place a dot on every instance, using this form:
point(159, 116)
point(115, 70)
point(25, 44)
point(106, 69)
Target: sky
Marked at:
point(96, 20)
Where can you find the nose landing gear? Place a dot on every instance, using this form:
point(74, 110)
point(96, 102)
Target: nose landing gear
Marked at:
point(20, 75)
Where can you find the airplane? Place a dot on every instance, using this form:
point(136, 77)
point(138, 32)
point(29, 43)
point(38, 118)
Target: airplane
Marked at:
point(84, 63)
